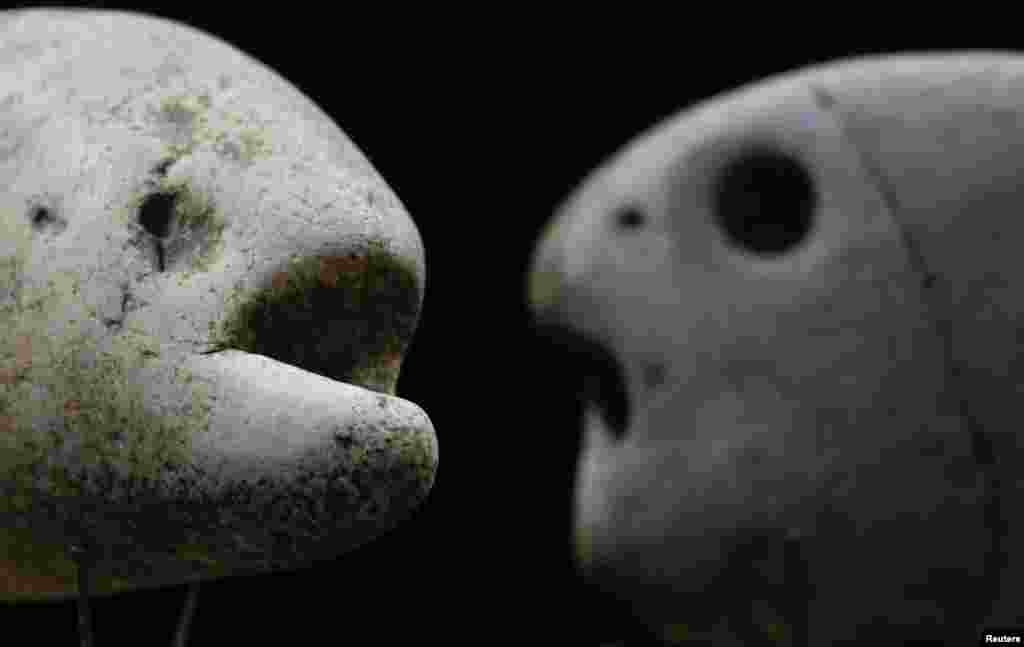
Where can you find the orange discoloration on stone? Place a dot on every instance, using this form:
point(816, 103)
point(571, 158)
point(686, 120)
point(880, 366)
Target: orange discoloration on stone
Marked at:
point(15, 580)
point(22, 352)
point(8, 375)
point(391, 360)
point(353, 264)
point(279, 281)
point(331, 268)
point(72, 408)
point(6, 424)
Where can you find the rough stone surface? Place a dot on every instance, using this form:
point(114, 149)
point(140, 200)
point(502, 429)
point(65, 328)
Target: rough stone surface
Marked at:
point(822, 430)
point(206, 292)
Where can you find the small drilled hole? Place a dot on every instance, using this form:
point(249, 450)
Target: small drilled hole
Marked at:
point(41, 217)
point(765, 201)
point(156, 212)
point(163, 166)
point(630, 218)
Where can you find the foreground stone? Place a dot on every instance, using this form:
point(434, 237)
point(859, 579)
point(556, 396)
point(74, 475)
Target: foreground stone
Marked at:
point(206, 292)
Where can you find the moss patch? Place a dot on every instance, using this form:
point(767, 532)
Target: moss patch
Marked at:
point(415, 450)
point(71, 413)
point(345, 317)
point(676, 633)
point(543, 288)
point(198, 233)
point(201, 555)
point(30, 568)
point(193, 124)
point(583, 543)
point(92, 399)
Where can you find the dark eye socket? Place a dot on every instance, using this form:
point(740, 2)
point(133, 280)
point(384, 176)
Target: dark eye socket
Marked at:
point(156, 212)
point(764, 201)
point(630, 217)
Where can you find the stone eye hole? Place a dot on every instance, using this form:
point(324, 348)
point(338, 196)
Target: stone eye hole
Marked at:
point(764, 202)
point(631, 217)
point(46, 219)
point(155, 214)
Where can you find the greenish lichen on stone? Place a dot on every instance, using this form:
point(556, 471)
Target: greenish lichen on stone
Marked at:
point(357, 455)
point(11, 269)
point(681, 633)
point(676, 633)
point(72, 413)
point(776, 631)
point(545, 282)
point(253, 145)
point(47, 564)
point(184, 113)
point(543, 288)
point(97, 403)
point(583, 542)
point(200, 554)
point(97, 409)
point(381, 376)
point(347, 317)
point(415, 450)
point(198, 224)
point(195, 125)
point(183, 109)
point(60, 386)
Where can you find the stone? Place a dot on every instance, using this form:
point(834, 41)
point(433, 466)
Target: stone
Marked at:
point(206, 293)
point(811, 290)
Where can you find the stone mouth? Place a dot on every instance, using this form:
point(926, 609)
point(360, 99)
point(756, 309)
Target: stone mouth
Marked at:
point(348, 317)
point(599, 374)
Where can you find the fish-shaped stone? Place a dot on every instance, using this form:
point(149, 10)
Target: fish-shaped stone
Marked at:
point(206, 293)
point(809, 296)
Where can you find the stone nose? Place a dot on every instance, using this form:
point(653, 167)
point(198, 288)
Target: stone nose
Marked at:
point(548, 288)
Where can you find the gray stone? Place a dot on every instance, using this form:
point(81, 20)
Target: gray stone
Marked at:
point(813, 288)
point(206, 292)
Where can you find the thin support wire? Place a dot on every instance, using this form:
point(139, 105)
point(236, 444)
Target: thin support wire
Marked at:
point(187, 613)
point(78, 554)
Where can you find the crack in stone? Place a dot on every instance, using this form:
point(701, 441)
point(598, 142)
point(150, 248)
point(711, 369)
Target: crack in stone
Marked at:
point(160, 262)
point(981, 443)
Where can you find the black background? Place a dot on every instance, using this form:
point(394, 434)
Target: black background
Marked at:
point(481, 123)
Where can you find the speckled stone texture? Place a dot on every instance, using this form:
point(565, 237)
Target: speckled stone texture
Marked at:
point(206, 292)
